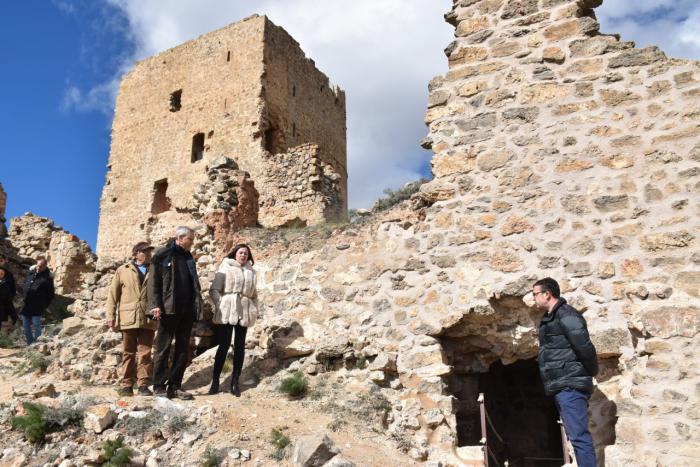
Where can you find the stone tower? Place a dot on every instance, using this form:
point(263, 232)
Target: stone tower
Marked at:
point(194, 125)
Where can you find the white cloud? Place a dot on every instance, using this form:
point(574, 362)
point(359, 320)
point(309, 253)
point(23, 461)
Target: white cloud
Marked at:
point(99, 98)
point(673, 25)
point(382, 53)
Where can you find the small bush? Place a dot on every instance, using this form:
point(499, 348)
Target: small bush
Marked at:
point(133, 426)
point(336, 425)
point(33, 361)
point(32, 422)
point(361, 362)
point(9, 340)
point(372, 406)
point(394, 197)
point(209, 458)
point(280, 441)
point(295, 386)
point(115, 454)
point(39, 420)
point(177, 423)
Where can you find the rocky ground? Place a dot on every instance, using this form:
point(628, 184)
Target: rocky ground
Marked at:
point(339, 422)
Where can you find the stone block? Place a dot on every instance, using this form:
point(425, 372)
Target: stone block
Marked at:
point(71, 326)
point(670, 321)
point(98, 418)
point(637, 57)
point(666, 241)
point(313, 450)
point(34, 390)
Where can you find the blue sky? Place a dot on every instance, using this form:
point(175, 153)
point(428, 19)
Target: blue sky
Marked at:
point(62, 59)
point(53, 157)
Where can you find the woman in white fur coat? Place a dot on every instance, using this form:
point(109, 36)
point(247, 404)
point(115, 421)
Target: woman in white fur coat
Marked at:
point(235, 298)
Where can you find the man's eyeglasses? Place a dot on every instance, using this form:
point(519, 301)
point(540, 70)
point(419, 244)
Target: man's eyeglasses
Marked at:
point(534, 294)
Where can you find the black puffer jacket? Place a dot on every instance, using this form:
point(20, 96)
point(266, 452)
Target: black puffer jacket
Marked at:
point(567, 357)
point(173, 286)
point(37, 293)
point(7, 294)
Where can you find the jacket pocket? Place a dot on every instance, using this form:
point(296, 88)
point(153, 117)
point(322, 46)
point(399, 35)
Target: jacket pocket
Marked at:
point(127, 314)
point(554, 370)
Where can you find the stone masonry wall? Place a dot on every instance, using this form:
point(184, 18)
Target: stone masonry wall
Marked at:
point(309, 189)
point(564, 152)
point(221, 78)
point(298, 97)
point(69, 258)
point(543, 168)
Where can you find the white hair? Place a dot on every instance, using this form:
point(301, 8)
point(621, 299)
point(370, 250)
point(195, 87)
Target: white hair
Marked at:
point(182, 231)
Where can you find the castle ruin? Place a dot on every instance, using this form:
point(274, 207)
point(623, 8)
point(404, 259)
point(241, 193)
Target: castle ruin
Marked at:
point(237, 124)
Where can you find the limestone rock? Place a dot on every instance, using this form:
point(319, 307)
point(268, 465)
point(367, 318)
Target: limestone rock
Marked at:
point(313, 450)
point(35, 390)
point(71, 326)
point(99, 417)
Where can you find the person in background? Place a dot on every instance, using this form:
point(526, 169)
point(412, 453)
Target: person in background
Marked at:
point(37, 295)
point(8, 290)
point(568, 362)
point(174, 294)
point(127, 305)
point(235, 298)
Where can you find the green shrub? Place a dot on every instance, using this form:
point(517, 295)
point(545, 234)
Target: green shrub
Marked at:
point(394, 197)
point(361, 362)
point(33, 361)
point(209, 458)
point(39, 420)
point(115, 453)
point(280, 441)
point(32, 422)
point(295, 386)
point(9, 340)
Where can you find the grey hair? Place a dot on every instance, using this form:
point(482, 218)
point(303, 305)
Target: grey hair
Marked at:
point(183, 231)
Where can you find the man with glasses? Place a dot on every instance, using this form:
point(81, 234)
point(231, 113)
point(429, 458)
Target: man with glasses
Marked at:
point(174, 294)
point(568, 362)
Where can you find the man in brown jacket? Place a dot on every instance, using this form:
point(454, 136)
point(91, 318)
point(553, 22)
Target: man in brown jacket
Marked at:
point(127, 305)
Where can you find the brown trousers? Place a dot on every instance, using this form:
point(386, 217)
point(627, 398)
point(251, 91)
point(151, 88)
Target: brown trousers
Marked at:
point(137, 365)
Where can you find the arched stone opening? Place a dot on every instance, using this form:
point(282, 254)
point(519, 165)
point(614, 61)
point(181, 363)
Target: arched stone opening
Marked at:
point(492, 350)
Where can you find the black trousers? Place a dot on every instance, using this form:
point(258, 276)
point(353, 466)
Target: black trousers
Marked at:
point(178, 327)
point(223, 334)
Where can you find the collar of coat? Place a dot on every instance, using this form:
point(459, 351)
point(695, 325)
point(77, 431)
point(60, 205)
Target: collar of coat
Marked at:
point(549, 315)
point(232, 263)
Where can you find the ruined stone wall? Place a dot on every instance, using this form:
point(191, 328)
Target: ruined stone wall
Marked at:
point(309, 192)
point(70, 259)
point(560, 151)
point(219, 75)
point(155, 165)
point(298, 97)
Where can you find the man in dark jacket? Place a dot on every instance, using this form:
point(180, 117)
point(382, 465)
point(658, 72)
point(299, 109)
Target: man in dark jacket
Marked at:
point(8, 290)
point(174, 295)
point(37, 294)
point(568, 362)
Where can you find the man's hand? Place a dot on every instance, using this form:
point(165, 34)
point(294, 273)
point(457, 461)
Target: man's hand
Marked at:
point(156, 313)
point(110, 324)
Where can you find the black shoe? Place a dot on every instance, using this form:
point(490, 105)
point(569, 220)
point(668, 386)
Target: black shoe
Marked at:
point(214, 388)
point(161, 392)
point(235, 389)
point(144, 391)
point(180, 394)
point(124, 391)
